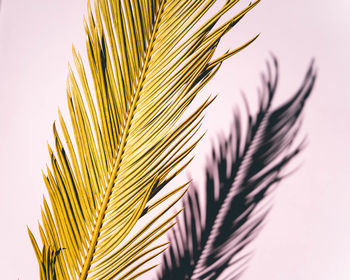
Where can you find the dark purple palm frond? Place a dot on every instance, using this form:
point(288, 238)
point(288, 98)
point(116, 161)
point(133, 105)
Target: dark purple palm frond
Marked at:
point(239, 177)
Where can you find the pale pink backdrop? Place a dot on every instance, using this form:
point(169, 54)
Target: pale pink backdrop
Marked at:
point(307, 235)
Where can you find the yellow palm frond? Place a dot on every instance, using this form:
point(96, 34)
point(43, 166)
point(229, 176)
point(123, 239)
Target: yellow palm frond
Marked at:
point(148, 59)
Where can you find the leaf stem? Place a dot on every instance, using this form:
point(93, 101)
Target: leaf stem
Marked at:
point(97, 229)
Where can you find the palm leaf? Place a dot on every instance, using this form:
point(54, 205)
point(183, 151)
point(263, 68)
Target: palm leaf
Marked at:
point(147, 62)
point(239, 179)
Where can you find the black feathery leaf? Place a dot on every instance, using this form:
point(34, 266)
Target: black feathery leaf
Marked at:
point(239, 178)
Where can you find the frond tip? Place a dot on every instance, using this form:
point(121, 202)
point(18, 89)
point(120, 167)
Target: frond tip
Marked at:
point(148, 59)
point(239, 178)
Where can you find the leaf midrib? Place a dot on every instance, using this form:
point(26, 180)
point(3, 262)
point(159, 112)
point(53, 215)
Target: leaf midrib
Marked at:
point(96, 232)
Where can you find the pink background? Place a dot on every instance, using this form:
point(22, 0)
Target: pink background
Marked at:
point(308, 230)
